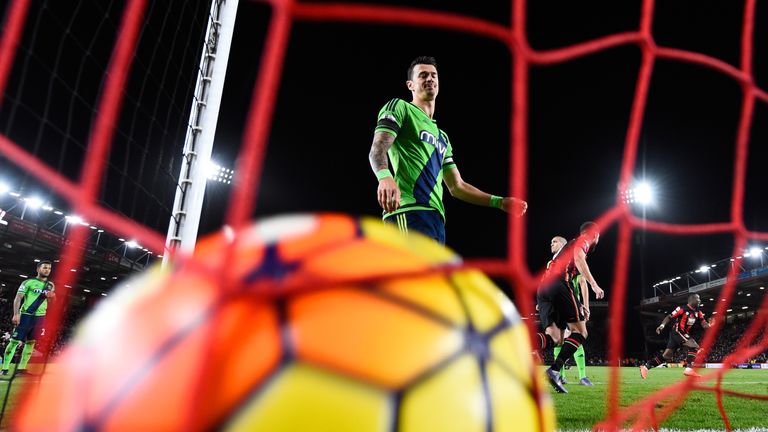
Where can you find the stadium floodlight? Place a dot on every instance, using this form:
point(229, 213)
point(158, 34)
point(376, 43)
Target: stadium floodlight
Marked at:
point(729, 310)
point(218, 173)
point(703, 268)
point(744, 307)
point(132, 244)
point(644, 193)
point(33, 202)
point(73, 219)
point(755, 251)
point(4, 188)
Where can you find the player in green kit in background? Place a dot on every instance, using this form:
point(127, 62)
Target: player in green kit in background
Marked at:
point(422, 157)
point(29, 308)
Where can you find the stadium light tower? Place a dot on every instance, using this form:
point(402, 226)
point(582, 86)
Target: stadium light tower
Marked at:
point(644, 194)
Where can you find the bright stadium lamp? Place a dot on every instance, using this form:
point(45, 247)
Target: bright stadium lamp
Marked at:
point(34, 202)
point(218, 173)
point(755, 252)
point(4, 187)
point(644, 193)
point(132, 244)
point(702, 269)
point(73, 219)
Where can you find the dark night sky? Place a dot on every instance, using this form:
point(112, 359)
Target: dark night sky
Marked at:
point(337, 76)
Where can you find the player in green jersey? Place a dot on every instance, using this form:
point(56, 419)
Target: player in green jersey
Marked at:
point(29, 308)
point(422, 157)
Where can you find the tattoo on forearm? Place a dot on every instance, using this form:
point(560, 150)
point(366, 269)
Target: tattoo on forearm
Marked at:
point(378, 155)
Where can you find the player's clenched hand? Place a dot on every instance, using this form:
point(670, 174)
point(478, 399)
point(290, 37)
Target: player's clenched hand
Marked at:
point(599, 293)
point(388, 194)
point(515, 206)
point(659, 329)
point(16, 319)
point(586, 313)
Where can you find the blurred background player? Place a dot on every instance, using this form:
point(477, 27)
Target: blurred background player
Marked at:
point(29, 308)
point(552, 334)
point(579, 287)
point(422, 157)
point(557, 301)
point(684, 319)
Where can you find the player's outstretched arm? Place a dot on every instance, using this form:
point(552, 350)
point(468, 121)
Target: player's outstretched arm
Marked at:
point(464, 191)
point(663, 324)
point(388, 194)
point(580, 260)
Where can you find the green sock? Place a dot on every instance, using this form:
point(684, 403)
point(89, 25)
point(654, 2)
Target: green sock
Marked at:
point(10, 350)
point(26, 353)
point(581, 362)
point(556, 350)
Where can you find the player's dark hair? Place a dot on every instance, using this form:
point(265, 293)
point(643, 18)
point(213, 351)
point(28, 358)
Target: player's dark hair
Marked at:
point(587, 226)
point(420, 60)
point(691, 297)
point(43, 262)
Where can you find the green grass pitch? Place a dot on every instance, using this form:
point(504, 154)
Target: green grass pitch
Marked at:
point(583, 407)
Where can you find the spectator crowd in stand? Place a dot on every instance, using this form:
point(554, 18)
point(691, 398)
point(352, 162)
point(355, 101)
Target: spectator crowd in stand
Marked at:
point(727, 341)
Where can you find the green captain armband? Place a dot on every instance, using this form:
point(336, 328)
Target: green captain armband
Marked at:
point(383, 173)
point(496, 201)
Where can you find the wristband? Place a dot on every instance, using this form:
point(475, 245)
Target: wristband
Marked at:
point(661, 325)
point(383, 173)
point(496, 201)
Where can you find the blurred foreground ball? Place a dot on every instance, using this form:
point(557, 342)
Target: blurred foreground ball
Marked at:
point(316, 323)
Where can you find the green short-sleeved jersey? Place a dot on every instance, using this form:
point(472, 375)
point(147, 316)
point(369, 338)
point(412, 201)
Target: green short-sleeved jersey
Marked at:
point(419, 155)
point(35, 302)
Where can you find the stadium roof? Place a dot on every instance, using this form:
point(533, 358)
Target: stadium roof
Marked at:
point(39, 235)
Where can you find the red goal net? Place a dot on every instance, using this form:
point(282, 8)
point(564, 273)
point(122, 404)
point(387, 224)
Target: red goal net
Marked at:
point(82, 193)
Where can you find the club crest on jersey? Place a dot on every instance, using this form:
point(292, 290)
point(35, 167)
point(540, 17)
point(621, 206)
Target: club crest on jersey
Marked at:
point(430, 139)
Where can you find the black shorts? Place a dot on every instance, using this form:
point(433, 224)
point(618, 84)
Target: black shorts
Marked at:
point(428, 222)
point(29, 328)
point(676, 339)
point(558, 305)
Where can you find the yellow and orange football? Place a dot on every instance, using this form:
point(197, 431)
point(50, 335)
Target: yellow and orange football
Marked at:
point(311, 323)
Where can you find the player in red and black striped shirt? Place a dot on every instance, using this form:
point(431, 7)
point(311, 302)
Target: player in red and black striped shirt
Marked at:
point(684, 318)
point(558, 308)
